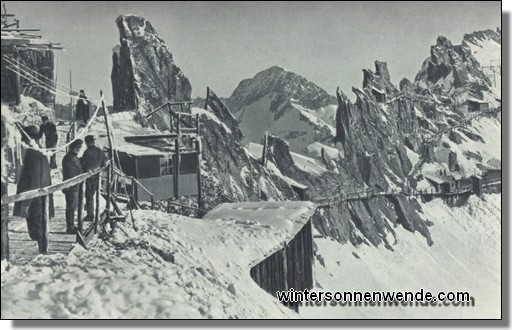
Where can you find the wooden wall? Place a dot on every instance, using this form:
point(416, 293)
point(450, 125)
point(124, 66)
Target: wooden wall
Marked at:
point(289, 267)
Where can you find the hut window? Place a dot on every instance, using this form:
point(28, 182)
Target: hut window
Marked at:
point(165, 166)
point(188, 163)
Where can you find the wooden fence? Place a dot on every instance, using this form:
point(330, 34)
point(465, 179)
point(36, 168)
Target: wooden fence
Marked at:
point(44, 193)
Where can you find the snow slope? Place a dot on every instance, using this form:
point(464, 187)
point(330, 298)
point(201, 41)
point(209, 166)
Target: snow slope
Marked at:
point(172, 267)
point(485, 46)
point(465, 257)
point(305, 163)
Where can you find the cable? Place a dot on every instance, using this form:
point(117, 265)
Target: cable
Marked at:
point(51, 151)
point(30, 77)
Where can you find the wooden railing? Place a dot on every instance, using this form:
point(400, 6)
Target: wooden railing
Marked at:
point(44, 193)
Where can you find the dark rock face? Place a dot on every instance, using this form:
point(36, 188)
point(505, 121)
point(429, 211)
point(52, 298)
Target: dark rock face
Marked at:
point(373, 136)
point(406, 85)
point(278, 153)
point(231, 173)
point(452, 161)
point(454, 68)
point(381, 69)
point(144, 75)
point(455, 137)
point(41, 61)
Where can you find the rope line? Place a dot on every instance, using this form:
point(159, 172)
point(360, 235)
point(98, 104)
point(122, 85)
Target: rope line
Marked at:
point(29, 74)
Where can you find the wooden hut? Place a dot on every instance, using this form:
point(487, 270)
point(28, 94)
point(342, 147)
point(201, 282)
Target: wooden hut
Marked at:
point(160, 172)
point(290, 264)
point(165, 166)
point(475, 105)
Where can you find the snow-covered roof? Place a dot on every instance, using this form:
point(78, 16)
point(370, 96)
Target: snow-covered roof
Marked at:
point(436, 179)
point(288, 216)
point(138, 150)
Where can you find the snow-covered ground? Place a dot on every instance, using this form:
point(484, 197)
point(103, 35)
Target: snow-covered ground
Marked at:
point(172, 267)
point(487, 52)
point(305, 163)
point(466, 256)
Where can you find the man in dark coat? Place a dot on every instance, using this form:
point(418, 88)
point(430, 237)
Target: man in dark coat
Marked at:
point(49, 131)
point(92, 158)
point(70, 168)
point(35, 174)
point(82, 108)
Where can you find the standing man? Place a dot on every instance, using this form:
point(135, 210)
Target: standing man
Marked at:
point(49, 131)
point(70, 168)
point(93, 158)
point(35, 174)
point(82, 108)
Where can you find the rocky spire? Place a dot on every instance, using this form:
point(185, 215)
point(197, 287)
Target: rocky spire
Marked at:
point(144, 74)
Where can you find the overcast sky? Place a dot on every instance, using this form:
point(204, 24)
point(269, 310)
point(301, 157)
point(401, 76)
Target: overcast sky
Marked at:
point(219, 44)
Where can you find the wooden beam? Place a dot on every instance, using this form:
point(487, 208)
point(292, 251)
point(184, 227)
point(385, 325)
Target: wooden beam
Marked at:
point(149, 137)
point(17, 79)
point(4, 231)
point(199, 190)
point(51, 189)
point(180, 103)
point(110, 158)
point(18, 30)
point(80, 219)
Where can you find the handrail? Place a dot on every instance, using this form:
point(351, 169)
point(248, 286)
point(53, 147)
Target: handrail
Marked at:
point(365, 194)
point(171, 104)
point(142, 186)
point(120, 173)
point(26, 195)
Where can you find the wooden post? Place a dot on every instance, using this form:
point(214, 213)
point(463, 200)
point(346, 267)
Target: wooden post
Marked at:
point(80, 218)
point(46, 228)
point(170, 118)
point(110, 157)
point(17, 79)
point(285, 267)
point(97, 209)
point(72, 105)
point(199, 192)
point(4, 230)
point(197, 126)
point(177, 150)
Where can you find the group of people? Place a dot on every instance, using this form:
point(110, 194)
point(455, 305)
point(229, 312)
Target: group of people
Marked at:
point(36, 173)
point(92, 158)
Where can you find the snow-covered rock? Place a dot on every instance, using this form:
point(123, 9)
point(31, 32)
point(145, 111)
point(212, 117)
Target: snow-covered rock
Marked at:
point(285, 104)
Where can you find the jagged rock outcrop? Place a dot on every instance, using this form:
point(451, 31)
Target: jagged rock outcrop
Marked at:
point(373, 135)
point(231, 173)
point(452, 162)
point(452, 75)
point(40, 61)
point(278, 153)
point(454, 69)
point(144, 75)
point(285, 104)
